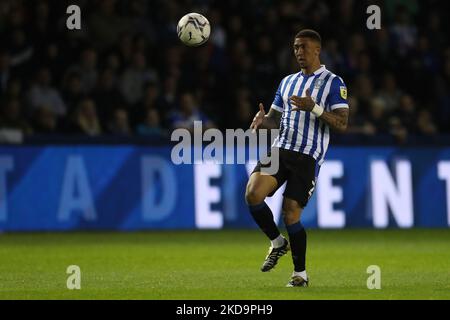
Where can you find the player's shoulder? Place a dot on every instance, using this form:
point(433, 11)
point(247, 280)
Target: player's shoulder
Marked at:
point(336, 80)
point(290, 77)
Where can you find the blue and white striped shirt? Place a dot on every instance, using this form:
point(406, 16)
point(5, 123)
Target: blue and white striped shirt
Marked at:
point(302, 131)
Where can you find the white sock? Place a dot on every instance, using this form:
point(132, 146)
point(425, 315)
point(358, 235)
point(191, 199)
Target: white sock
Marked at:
point(278, 241)
point(300, 274)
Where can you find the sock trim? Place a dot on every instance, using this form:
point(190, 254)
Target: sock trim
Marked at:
point(294, 228)
point(302, 274)
point(257, 207)
point(278, 242)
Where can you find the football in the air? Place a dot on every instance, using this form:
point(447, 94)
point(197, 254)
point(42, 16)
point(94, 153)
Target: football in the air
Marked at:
point(193, 29)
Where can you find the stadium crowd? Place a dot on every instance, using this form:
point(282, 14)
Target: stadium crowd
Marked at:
point(125, 73)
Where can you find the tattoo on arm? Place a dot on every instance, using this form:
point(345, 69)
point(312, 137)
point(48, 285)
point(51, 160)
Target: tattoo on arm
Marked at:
point(336, 119)
point(272, 119)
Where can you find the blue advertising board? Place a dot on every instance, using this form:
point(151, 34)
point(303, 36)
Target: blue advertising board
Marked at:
point(44, 188)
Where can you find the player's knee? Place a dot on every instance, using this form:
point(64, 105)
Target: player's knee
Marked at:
point(291, 213)
point(289, 217)
point(252, 196)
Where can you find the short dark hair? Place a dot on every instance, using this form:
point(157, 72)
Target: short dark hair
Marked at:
point(309, 33)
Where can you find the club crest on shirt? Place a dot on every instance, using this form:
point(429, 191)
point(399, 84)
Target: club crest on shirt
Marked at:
point(343, 92)
point(319, 83)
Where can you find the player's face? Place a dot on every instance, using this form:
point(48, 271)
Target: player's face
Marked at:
point(306, 51)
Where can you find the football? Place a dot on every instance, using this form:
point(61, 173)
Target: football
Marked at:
point(193, 29)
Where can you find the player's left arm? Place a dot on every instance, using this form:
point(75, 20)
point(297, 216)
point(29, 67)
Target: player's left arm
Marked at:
point(337, 118)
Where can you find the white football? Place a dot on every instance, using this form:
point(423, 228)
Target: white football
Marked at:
point(193, 29)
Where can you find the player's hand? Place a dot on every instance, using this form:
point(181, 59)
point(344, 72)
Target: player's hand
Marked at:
point(258, 119)
point(302, 103)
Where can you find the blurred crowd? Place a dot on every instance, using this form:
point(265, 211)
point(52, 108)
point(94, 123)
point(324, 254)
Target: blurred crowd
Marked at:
point(125, 73)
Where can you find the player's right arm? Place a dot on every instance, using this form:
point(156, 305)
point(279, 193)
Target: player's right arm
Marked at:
point(266, 121)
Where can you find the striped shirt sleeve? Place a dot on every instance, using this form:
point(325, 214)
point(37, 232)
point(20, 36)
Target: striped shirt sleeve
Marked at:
point(277, 103)
point(337, 97)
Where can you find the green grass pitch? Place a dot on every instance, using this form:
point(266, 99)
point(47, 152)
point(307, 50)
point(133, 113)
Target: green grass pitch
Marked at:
point(415, 264)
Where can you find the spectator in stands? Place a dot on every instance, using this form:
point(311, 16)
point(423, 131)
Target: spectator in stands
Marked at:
point(150, 98)
point(397, 130)
point(377, 116)
point(189, 112)
point(357, 123)
point(134, 78)
point(425, 123)
point(11, 117)
point(119, 123)
point(45, 120)
point(407, 113)
point(106, 94)
point(5, 72)
point(21, 49)
point(106, 24)
point(73, 91)
point(14, 89)
point(87, 69)
point(363, 90)
point(54, 59)
point(113, 62)
point(403, 31)
point(123, 45)
point(389, 92)
point(168, 96)
point(85, 120)
point(357, 45)
point(331, 55)
point(243, 115)
point(442, 93)
point(151, 126)
point(43, 93)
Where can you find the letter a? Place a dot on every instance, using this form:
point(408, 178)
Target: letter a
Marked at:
point(76, 191)
point(74, 20)
point(374, 20)
point(374, 281)
point(74, 280)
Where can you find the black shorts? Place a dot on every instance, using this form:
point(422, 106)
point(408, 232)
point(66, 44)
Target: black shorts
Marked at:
point(300, 172)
